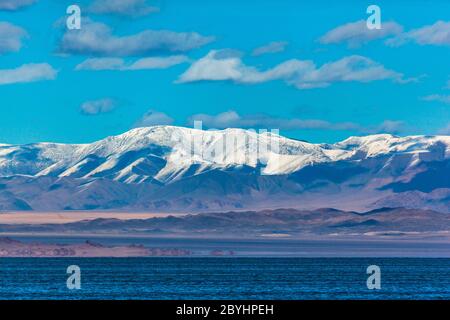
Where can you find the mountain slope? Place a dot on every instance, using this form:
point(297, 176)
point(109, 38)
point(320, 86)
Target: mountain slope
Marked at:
point(166, 168)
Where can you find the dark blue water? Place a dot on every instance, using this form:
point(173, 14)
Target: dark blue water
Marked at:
point(225, 278)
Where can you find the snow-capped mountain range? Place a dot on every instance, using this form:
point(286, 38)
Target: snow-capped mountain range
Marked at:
point(166, 168)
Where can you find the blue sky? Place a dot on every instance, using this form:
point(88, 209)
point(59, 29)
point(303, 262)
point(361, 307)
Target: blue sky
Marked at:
point(311, 69)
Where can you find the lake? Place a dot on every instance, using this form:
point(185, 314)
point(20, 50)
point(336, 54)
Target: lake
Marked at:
point(225, 278)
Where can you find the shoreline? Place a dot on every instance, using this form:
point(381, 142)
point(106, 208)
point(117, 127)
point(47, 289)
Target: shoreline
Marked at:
point(312, 248)
point(11, 248)
point(62, 217)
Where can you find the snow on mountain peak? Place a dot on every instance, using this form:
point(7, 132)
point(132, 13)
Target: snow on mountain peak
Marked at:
point(374, 145)
point(165, 153)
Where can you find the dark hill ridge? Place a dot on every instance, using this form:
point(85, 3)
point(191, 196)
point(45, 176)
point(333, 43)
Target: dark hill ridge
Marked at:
point(266, 223)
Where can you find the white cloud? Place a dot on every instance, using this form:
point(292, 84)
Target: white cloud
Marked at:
point(272, 47)
point(212, 67)
point(231, 119)
point(437, 34)
point(101, 64)
point(97, 39)
point(27, 73)
point(303, 74)
point(438, 97)
point(130, 8)
point(100, 106)
point(158, 62)
point(356, 33)
point(388, 126)
point(10, 37)
point(12, 5)
point(153, 118)
point(119, 64)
